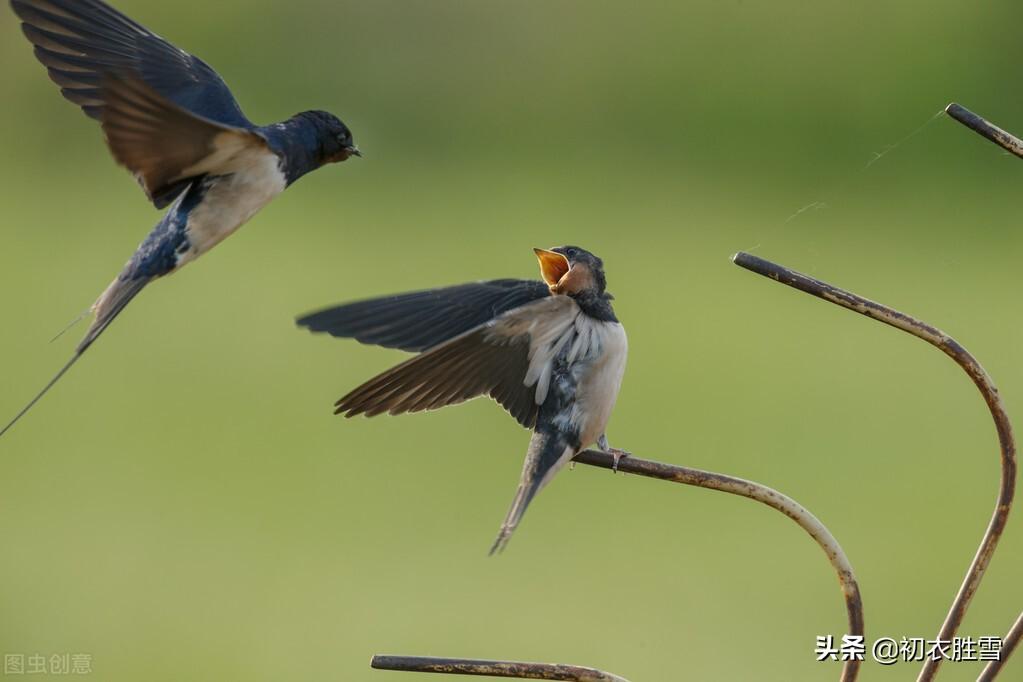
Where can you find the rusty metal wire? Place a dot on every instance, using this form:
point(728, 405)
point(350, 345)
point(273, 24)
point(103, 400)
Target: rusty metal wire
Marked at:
point(980, 378)
point(685, 476)
point(1009, 644)
point(981, 126)
point(1013, 145)
point(761, 493)
point(467, 666)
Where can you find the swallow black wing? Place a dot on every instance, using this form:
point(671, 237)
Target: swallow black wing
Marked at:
point(165, 146)
point(91, 50)
point(508, 358)
point(422, 319)
point(82, 41)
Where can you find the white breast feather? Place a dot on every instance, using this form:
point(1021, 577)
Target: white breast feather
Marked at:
point(600, 381)
point(597, 353)
point(232, 200)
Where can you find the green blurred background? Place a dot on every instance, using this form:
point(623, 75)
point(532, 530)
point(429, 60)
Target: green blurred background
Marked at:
point(185, 507)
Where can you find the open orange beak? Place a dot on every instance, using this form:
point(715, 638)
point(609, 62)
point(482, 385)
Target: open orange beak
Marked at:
point(553, 266)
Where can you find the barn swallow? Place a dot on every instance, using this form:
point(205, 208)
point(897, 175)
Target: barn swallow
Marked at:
point(552, 353)
point(172, 121)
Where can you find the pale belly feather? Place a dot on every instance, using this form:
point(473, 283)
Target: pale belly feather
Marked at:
point(600, 383)
point(230, 202)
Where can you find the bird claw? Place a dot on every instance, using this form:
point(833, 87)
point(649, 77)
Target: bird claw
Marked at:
point(614, 452)
point(617, 456)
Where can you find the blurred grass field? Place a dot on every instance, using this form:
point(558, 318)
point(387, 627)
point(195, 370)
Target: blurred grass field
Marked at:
point(185, 506)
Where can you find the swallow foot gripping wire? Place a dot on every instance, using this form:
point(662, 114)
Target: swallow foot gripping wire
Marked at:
point(1013, 145)
point(674, 474)
point(980, 378)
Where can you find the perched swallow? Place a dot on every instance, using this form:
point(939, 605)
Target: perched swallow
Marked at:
point(552, 353)
point(172, 121)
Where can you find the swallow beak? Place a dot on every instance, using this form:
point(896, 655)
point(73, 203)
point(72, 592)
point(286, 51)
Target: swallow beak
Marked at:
point(344, 154)
point(553, 266)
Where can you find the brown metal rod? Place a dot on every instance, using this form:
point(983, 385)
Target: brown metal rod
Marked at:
point(1014, 145)
point(685, 476)
point(467, 666)
point(981, 126)
point(761, 493)
point(1009, 644)
point(980, 378)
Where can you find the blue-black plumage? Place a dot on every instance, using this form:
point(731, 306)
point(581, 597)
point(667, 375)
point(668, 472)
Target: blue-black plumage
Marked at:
point(552, 353)
point(173, 122)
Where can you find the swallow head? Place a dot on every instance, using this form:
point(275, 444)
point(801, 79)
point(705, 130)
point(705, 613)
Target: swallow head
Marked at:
point(572, 271)
point(333, 138)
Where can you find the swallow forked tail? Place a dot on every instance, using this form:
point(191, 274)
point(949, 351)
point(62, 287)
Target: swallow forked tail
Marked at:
point(548, 453)
point(110, 303)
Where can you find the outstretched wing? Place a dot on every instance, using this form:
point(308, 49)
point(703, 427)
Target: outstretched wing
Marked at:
point(423, 319)
point(86, 46)
point(82, 41)
point(508, 358)
point(166, 147)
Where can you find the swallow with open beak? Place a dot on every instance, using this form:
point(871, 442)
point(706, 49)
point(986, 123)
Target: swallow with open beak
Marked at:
point(172, 121)
point(552, 353)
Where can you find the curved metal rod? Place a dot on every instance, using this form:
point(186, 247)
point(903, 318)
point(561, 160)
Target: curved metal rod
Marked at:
point(985, 128)
point(685, 476)
point(1013, 145)
point(761, 493)
point(1009, 644)
point(962, 357)
point(468, 666)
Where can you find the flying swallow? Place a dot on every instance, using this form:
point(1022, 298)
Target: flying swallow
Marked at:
point(172, 121)
point(552, 353)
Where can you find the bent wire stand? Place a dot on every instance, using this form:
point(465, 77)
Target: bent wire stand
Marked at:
point(761, 493)
point(1013, 145)
point(674, 474)
point(969, 364)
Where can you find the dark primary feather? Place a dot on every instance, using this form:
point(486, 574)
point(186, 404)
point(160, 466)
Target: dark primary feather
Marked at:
point(81, 41)
point(465, 367)
point(85, 43)
point(422, 319)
